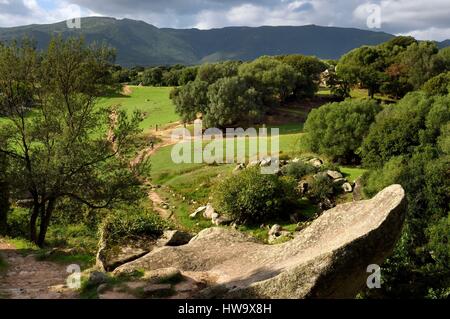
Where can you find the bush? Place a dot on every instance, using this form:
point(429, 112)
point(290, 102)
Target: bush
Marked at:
point(377, 179)
point(337, 129)
point(121, 225)
point(438, 85)
point(400, 128)
point(439, 241)
point(298, 170)
point(321, 188)
point(251, 197)
point(18, 221)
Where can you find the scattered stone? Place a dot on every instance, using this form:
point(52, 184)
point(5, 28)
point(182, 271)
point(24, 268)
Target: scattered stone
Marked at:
point(340, 181)
point(334, 174)
point(296, 160)
point(174, 238)
point(315, 264)
point(303, 187)
point(197, 211)
point(265, 162)
point(239, 167)
point(222, 220)
point(325, 204)
point(275, 230)
point(347, 187)
point(316, 162)
point(208, 212)
point(254, 163)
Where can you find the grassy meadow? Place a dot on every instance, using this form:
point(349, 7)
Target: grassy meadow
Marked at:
point(153, 102)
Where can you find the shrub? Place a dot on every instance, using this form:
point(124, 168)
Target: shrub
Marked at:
point(439, 241)
point(251, 197)
point(18, 221)
point(321, 188)
point(398, 129)
point(125, 224)
point(337, 129)
point(438, 85)
point(298, 170)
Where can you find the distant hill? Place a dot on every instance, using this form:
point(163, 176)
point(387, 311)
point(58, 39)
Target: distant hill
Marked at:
point(444, 44)
point(139, 43)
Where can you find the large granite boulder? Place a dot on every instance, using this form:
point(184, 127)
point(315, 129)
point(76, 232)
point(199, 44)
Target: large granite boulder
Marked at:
point(327, 259)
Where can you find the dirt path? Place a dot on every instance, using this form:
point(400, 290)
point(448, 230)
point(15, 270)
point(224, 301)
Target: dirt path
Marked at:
point(166, 140)
point(27, 278)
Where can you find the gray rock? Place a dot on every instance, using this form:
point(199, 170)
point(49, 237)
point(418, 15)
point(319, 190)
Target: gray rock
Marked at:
point(254, 163)
point(208, 212)
point(265, 162)
point(316, 162)
point(275, 230)
point(327, 259)
point(222, 220)
point(174, 238)
point(334, 174)
point(347, 187)
point(197, 211)
point(340, 181)
point(303, 187)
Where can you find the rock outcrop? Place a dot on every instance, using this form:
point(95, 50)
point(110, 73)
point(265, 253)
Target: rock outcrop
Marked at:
point(327, 259)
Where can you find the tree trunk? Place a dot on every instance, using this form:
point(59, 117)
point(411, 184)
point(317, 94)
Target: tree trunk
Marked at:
point(4, 206)
point(33, 221)
point(45, 221)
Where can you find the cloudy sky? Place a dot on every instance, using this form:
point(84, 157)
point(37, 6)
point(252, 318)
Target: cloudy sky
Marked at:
point(423, 19)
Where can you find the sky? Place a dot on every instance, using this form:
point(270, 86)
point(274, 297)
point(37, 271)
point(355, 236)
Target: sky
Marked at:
point(425, 20)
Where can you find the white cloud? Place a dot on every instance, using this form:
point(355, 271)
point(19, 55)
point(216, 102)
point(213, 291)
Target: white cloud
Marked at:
point(22, 12)
point(430, 33)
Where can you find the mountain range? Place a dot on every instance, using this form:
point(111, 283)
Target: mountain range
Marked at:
point(140, 43)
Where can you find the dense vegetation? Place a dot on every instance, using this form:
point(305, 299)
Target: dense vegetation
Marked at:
point(54, 136)
point(251, 197)
point(54, 154)
point(233, 93)
point(337, 129)
point(406, 143)
point(395, 68)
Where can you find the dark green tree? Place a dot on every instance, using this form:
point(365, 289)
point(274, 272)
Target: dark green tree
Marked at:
point(338, 129)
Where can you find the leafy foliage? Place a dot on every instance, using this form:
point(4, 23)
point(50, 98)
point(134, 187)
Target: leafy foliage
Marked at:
point(54, 135)
point(251, 197)
point(298, 170)
point(411, 139)
point(337, 129)
point(132, 223)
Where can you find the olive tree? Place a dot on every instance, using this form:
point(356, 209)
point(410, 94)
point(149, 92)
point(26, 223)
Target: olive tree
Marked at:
point(55, 134)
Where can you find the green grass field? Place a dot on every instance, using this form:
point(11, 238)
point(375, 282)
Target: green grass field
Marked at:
point(154, 102)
